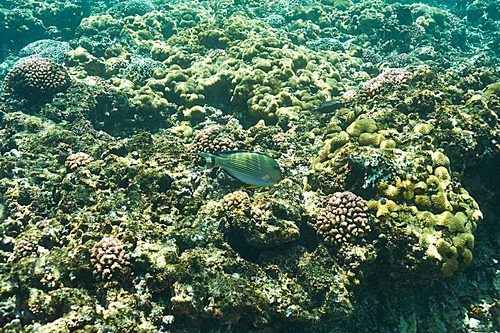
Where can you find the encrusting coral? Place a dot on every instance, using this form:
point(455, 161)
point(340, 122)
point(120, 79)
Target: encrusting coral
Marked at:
point(135, 240)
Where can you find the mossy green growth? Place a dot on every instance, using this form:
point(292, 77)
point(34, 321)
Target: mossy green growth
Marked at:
point(195, 113)
point(327, 152)
point(213, 39)
point(102, 22)
point(493, 89)
point(370, 139)
point(146, 100)
point(360, 126)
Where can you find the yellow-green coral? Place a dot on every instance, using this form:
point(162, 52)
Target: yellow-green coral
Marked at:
point(440, 160)
point(420, 198)
point(391, 191)
point(407, 187)
point(388, 144)
point(452, 222)
point(101, 22)
point(449, 257)
point(447, 249)
point(362, 126)
point(423, 200)
point(326, 153)
point(440, 199)
point(443, 176)
point(83, 60)
point(370, 139)
point(423, 128)
point(383, 207)
point(147, 100)
point(194, 113)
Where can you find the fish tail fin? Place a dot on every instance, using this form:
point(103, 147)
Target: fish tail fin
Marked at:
point(210, 160)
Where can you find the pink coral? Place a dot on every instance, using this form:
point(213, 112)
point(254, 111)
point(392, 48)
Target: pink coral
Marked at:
point(391, 79)
point(344, 219)
point(79, 159)
point(23, 248)
point(208, 141)
point(109, 258)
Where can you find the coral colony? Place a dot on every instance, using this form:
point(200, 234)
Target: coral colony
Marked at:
point(344, 219)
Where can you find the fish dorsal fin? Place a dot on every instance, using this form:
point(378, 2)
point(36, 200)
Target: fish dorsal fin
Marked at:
point(229, 152)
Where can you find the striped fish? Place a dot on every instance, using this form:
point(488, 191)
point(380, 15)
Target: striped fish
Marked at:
point(252, 168)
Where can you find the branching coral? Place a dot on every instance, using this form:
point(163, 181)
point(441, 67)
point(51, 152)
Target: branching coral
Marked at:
point(344, 219)
point(109, 258)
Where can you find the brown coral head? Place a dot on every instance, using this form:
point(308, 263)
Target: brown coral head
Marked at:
point(344, 219)
point(209, 141)
point(109, 258)
point(36, 78)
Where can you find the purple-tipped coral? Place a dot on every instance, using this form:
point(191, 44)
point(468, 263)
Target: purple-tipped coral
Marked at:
point(78, 159)
point(391, 79)
point(23, 249)
point(109, 258)
point(344, 219)
point(208, 141)
point(36, 77)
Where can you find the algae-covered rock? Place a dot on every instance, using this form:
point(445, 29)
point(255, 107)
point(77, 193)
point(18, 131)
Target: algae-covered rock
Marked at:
point(266, 219)
point(362, 126)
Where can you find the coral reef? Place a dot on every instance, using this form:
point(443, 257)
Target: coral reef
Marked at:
point(382, 116)
point(24, 22)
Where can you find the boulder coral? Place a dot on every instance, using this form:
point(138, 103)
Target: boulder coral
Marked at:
point(35, 78)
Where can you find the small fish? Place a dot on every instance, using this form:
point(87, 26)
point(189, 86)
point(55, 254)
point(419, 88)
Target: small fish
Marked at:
point(252, 168)
point(329, 106)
